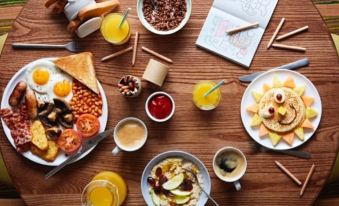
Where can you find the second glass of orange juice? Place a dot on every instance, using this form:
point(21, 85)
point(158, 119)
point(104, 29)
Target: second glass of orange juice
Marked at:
point(209, 102)
point(112, 32)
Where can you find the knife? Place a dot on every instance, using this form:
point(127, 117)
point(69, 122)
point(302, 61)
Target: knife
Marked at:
point(85, 147)
point(292, 66)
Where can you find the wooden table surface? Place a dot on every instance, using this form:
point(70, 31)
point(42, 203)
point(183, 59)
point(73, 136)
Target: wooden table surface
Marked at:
point(200, 133)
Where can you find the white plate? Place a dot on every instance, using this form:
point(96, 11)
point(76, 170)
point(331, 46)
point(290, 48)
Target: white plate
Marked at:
point(267, 78)
point(186, 156)
point(20, 75)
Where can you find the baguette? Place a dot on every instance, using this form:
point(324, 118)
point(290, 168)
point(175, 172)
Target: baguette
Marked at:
point(98, 9)
point(31, 104)
point(17, 94)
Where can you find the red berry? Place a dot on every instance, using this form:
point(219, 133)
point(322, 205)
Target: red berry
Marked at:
point(187, 185)
point(279, 97)
point(158, 172)
point(157, 189)
point(271, 110)
point(163, 179)
point(151, 181)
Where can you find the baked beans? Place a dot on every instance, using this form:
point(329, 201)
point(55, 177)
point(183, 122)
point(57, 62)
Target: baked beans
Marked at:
point(84, 101)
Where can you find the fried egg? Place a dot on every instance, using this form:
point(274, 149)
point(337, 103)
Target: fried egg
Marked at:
point(61, 86)
point(39, 76)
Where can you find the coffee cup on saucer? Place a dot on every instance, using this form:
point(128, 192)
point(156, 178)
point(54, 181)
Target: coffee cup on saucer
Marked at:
point(229, 165)
point(130, 134)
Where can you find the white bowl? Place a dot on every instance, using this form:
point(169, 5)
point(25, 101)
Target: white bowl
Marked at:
point(150, 28)
point(184, 155)
point(151, 116)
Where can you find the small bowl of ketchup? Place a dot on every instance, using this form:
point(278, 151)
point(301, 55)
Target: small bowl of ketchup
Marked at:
point(160, 106)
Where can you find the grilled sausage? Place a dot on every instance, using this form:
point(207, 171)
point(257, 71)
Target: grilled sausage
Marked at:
point(31, 103)
point(17, 94)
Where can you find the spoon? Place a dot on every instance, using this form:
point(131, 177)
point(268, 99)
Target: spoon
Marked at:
point(202, 189)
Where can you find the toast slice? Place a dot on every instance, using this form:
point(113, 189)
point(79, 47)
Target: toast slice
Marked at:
point(80, 66)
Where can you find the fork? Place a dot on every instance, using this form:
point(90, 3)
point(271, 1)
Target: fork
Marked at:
point(202, 189)
point(296, 153)
point(72, 46)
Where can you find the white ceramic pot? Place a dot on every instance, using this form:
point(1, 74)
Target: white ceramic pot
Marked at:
point(73, 7)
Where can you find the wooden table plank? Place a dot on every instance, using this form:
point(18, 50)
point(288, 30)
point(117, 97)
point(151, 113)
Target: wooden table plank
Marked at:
point(190, 129)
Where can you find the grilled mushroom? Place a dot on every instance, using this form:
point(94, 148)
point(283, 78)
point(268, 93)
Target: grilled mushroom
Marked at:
point(53, 133)
point(45, 108)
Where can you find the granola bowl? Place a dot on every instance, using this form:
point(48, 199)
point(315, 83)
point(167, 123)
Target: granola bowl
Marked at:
point(173, 178)
point(164, 17)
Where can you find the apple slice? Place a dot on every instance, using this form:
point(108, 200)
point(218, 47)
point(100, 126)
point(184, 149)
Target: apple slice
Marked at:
point(155, 198)
point(257, 96)
point(300, 90)
point(178, 192)
point(275, 138)
point(181, 200)
point(311, 113)
point(276, 82)
point(255, 121)
point(300, 133)
point(174, 182)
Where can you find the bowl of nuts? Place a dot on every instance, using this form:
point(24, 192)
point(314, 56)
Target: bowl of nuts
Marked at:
point(164, 17)
point(129, 86)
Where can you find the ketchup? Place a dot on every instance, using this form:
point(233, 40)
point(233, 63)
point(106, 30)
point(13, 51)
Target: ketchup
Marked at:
point(160, 106)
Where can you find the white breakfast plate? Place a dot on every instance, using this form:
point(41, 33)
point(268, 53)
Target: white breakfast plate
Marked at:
point(20, 75)
point(180, 154)
point(267, 78)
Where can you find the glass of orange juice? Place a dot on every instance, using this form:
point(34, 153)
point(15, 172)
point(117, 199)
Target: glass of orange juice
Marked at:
point(112, 32)
point(209, 102)
point(116, 180)
point(100, 193)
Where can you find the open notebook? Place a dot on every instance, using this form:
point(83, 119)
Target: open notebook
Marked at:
point(227, 14)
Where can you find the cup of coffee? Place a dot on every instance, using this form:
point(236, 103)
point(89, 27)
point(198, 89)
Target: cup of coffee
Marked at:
point(130, 134)
point(229, 164)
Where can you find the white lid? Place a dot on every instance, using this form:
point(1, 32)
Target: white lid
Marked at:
point(88, 27)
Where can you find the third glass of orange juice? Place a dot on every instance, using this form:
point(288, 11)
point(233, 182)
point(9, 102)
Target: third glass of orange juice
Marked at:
point(111, 31)
point(209, 102)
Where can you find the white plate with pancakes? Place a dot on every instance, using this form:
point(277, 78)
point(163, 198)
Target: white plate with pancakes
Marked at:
point(20, 75)
point(277, 140)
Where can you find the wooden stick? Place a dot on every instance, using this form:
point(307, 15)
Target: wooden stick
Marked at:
point(307, 180)
point(288, 173)
point(275, 33)
point(305, 28)
point(135, 48)
point(157, 54)
point(241, 28)
point(284, 46)
point(117, 54)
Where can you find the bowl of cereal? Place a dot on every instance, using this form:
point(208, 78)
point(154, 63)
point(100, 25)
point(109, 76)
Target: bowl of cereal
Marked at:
point(164, 17)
